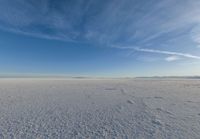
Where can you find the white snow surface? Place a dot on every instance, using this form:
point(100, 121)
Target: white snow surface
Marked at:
point(99, 109)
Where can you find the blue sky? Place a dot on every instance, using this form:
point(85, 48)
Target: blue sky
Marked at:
point(117, 38)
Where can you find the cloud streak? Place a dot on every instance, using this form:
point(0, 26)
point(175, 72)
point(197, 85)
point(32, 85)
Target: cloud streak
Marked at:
point(174, 55)
point(186, 55)
point(172, 58)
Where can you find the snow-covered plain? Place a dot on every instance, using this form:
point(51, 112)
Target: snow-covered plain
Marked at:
point(99, 108)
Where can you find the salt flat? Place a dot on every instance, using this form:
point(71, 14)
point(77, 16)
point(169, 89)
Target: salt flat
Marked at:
point(99, 108)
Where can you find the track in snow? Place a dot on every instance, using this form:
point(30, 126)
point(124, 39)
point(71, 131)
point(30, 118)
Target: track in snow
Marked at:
point(86, 108)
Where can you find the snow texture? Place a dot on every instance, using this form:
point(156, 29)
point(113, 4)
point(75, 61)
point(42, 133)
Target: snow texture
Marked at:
point(99, 109)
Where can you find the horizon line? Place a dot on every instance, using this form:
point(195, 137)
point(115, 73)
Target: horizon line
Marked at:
point(96, 77)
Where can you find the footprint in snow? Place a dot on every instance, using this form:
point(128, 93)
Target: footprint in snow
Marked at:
point(161, 110)
point(119, 109)
point(129, 101)
point(110, 89)
point(194, 102)
point(158, 97)
point(122, 91)
point(157, 122)
point(88, 96)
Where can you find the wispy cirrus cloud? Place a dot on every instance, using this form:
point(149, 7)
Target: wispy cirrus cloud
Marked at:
point(172, 58)
point(177, 54)
point(173, 55)
point(195, 35)
point(150, 24)
point(102, 21)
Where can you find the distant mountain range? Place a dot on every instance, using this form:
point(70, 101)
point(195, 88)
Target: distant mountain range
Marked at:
point(174, 77)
